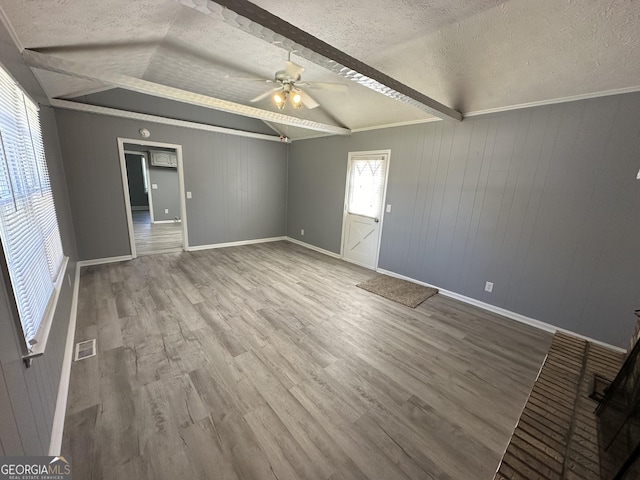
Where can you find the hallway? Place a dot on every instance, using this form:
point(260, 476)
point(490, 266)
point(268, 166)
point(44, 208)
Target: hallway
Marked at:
point(155, 238)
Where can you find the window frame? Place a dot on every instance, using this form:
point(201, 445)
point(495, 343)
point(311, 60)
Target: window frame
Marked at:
point(20, 122)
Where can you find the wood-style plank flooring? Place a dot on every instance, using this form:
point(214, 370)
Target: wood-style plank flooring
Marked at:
point(155, 237)
point(267, 362)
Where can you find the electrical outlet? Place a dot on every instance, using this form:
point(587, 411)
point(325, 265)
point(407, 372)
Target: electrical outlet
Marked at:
point(389, 208)
point(488, 287)
point(189, 195)
point(166, 210)
point(302, 232)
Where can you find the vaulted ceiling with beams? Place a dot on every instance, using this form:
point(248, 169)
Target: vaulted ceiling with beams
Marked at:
point(425, 59)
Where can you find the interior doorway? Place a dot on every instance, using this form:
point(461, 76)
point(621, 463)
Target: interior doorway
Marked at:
point(154, 196)
point(365, 196)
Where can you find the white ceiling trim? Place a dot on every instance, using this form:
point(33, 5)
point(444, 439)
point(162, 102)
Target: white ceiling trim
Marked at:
point(262, 24)
point(59, 65)
point(114, 112)
point(397, 124)
point(552, 101)
point(477, 113)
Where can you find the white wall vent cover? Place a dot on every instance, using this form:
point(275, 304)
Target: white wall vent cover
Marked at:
point(85, 349)
point(164, 159)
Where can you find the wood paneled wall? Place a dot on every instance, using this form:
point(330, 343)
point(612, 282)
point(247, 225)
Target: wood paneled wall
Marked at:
point(543, 202)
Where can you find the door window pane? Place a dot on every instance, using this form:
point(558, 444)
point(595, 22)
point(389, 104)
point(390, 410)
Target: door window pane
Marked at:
point(366, 185)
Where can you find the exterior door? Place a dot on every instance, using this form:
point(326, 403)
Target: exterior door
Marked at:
point(364, 200)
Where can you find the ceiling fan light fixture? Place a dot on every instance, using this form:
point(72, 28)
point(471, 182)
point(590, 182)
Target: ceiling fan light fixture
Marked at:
point(280, 99)
point(296, 100)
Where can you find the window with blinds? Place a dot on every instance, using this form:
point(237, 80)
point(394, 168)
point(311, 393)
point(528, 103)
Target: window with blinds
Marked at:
point(28, 224)
point(366, 185)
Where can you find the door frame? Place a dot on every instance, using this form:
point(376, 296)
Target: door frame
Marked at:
point(125, 185)
point(146, 172)
point(350, 156)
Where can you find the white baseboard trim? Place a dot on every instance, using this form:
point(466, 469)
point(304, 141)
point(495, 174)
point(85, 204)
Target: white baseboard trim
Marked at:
point(166, 221)
point(502, 311)
point(312, 247)
point(368, 267)
point(102, 261)
point(57, 429)
point(234, 244)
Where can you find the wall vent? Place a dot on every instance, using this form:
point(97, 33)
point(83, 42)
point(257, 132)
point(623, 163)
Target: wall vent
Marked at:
point(85, 349)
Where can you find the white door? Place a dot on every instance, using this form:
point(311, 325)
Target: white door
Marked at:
point(364, 200)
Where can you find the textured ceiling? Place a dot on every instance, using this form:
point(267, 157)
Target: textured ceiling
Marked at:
point(478, 55)
point(470, 55)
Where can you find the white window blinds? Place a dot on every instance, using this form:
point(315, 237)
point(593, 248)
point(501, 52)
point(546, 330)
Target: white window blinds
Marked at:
point(366, 185)
point(28, 224)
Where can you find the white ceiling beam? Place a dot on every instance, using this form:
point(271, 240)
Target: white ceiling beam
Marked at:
point(260, 23)
point(143, 117)
point(59, 65)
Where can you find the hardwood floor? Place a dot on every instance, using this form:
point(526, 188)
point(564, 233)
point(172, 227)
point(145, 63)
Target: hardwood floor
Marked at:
point(267, 362)
point(155, 237)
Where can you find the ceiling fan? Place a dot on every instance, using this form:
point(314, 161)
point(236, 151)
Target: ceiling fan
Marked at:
point(289, 87)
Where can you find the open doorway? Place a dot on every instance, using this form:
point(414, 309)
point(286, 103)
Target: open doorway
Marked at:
point(154, 187)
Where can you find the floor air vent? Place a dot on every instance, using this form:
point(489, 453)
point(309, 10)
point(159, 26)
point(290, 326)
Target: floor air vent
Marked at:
point(85, 349)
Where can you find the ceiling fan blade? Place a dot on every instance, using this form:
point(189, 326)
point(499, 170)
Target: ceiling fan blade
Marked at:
point(264, 95)
point(294, 70)
point(307, 100)
point(334, 87)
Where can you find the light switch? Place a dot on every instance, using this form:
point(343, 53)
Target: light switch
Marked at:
point(154, 186)
point(166, 210)
point(389, 208)
point(188, 194)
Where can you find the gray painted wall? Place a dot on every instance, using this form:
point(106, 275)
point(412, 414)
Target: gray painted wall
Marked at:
point(238, 184)
point(167, 195)
point(28, 396)
point(317, 179)
point(135, 178)
point(138, 102)
point(543, 202)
